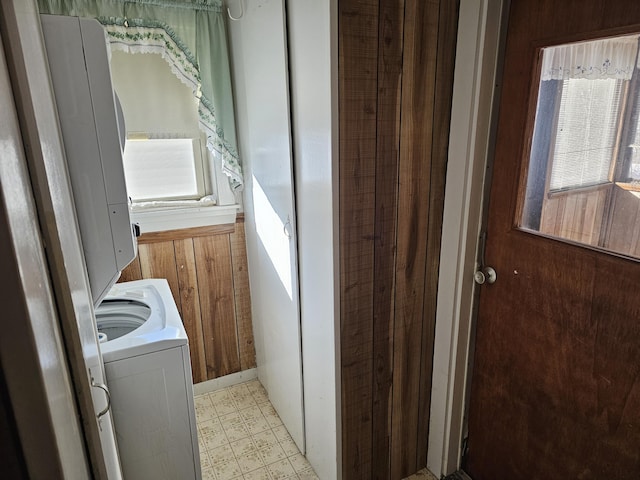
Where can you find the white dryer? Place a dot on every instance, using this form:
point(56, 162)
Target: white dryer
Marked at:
point(146, 359)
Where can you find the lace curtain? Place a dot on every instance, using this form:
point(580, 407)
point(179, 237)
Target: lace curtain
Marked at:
point(600, 59)
point(191, 36)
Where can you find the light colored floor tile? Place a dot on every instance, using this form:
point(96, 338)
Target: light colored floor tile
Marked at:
point(236, 431)
point(299, 463)
point(281, 433)
point(257, 426)
point(205, 463)
point(228, 470)
point(255, 386)
point(214, 440)
point(423, 474)
point(220, 454)
point(245, 402)
point(265, 439)
point(260, 395)
point(219, 396)
point(205, 412)
point(250, 461)
point(281, 470)
point(226, 407)
point(208, 474)
point(270, 415)
point(308, 475)
point(252, 412)
point(241, 437)
point(244, 447)
point(272, 454)
point(202, 401)
point(289, 447)
point(232, 418)
point(209, 427)
point(259, 474)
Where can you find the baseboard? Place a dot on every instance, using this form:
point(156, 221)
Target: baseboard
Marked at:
point(224, 382)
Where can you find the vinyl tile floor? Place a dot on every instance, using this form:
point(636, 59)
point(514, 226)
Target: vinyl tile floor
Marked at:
point(423, 474)
point(241, 437)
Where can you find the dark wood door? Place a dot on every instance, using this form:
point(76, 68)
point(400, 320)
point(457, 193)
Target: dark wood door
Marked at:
point(556, 379)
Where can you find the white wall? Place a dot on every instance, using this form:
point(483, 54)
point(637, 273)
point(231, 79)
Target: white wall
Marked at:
point(313, 71)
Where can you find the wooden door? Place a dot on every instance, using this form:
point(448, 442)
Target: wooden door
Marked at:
point(556, 378)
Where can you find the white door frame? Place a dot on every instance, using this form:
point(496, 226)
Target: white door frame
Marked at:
point(477, 55)
point(34, 364)
point(64, 267)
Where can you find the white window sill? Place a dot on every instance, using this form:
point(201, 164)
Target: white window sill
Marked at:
point(188, 217)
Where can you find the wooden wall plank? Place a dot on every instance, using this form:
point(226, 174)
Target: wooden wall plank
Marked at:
point(395, 83)
point(390, 44)
point(358, 64)
point(132, 271)
point(224, 314)
point(214, 270)
point(158, 260)
point(418, 100)
point(242, 299)
point(190, 301)
point(447, 39)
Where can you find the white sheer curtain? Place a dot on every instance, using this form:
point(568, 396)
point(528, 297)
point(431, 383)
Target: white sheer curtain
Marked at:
point(612, 58)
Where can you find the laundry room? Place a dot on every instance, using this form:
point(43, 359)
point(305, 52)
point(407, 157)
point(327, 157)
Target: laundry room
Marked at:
point(207, 111)
point(267, 308)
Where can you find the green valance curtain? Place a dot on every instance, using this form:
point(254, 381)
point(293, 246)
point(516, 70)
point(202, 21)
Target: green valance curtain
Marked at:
point(191, 36)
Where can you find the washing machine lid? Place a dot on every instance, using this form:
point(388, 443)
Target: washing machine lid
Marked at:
point(162, 328)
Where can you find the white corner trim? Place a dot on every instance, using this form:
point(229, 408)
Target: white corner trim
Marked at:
point(188, 217)
point(474, 80)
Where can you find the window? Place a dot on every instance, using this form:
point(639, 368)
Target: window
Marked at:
point(164, 169)
point(586, 133)
point(583, 175)
point(165, 158)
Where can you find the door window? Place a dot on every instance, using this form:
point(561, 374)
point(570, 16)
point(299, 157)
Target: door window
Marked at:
point(583, 175)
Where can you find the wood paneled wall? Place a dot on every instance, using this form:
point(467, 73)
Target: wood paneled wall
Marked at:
point(606, 216)
point(395, 87)
point(623, 233)
point(576, 215)
point(206, 268)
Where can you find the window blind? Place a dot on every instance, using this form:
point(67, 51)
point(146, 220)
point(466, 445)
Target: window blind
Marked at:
point(586, 132)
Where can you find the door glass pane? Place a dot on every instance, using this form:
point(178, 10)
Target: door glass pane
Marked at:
point(583, 176)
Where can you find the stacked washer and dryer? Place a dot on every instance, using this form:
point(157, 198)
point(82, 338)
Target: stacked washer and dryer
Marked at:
point(146, 360)
point(143, 341)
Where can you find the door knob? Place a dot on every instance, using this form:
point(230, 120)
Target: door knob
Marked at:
point(486, 275)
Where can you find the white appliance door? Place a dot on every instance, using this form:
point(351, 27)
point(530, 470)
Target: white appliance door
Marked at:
point(259, 52)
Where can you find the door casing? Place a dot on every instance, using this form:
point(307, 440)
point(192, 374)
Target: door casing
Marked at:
point(475, 89)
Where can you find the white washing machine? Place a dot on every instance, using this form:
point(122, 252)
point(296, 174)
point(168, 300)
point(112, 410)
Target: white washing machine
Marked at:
point(146, 359)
